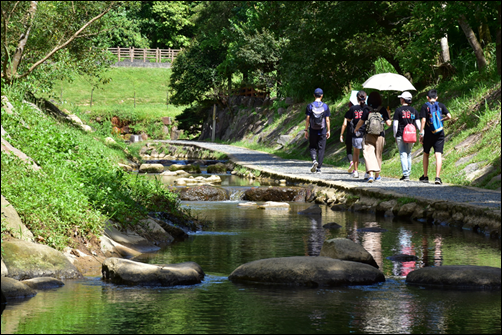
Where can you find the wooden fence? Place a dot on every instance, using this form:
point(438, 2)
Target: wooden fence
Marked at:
point(147, 55)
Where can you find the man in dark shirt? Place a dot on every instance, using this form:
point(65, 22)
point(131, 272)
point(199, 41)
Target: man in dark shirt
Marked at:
point(352, 117)
point(430, 140)
point(317, 135)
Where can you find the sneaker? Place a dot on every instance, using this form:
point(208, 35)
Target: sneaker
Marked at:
point(355, 174)
point(438, 181)
point(314, 166)
point(424, 179)
point(405, 178)
point(371, 179)
point(351, 167)
point(366, 177)
point(378, 178)
point(318, 171)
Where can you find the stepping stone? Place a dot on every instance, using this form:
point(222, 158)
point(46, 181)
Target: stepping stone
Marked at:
point(306, 271)
point(456, 276)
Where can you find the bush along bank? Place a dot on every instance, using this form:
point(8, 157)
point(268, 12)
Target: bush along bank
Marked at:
point(66, 183)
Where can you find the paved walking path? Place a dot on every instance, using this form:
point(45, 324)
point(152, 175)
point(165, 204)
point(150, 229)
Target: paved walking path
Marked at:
point(297, 169)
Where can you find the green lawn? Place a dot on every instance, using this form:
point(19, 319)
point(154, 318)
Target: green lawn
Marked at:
point(117, 97)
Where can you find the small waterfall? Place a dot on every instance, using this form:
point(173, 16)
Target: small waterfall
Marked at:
point(237, 193)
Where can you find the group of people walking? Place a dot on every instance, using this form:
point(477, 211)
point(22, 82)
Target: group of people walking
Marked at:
point(365, 124)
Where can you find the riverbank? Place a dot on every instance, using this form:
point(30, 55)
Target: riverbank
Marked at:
point(469, 208)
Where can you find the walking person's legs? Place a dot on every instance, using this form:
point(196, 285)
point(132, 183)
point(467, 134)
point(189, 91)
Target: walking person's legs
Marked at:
point(380, 143)
point(370, 158)
point(321, 148)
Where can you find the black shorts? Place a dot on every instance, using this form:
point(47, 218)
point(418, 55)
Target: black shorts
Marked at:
point(435, 141)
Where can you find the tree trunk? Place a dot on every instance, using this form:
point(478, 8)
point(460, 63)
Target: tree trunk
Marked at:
point(473, 41)
point(498, 43)
point(92, 91)
point(10, 70)
point(445, 49)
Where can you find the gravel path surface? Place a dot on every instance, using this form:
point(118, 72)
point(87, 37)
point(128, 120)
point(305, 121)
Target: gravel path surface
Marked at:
point(292, 167)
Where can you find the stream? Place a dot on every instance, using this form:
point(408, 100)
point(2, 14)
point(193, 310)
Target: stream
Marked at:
point(240, 235)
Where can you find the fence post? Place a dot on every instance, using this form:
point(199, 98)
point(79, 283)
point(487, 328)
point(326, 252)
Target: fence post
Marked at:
point(157, 53)
point(131, 53)
point(144, 55)
point(118, 51)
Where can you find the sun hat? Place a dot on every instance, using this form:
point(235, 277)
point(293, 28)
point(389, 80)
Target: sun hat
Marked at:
point(405, 95)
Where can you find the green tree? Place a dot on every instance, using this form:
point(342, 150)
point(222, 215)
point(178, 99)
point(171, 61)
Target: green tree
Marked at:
point(60, 31)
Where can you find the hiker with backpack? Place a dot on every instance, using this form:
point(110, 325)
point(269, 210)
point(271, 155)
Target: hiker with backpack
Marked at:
point(352, 117)
point(432, 115)
point(405, 125)
point(317, 131)
point(374, 117)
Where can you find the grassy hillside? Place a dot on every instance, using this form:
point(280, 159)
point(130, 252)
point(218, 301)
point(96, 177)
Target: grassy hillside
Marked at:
point(79, 185)
point(145, 87)
point(474, 102)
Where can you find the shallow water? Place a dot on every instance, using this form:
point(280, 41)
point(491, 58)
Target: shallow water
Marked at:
point(241, 235)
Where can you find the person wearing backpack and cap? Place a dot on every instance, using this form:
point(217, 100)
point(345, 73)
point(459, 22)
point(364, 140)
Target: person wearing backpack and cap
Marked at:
point(317, 131)
point(374, 117)
point(405, 120)
point(432, 115)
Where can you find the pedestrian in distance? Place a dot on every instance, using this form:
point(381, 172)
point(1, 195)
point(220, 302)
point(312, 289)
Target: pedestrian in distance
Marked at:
point(375, 116)
point(432, 115)
point(405, 125)
point(317, 129)
point(348, 141)
point(352, 117)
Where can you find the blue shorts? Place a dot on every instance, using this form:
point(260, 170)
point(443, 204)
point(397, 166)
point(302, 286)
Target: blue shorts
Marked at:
point(357, 142)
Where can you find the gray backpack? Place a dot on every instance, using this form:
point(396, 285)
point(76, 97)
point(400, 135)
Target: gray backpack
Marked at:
point(317, 120)
point(374, 124)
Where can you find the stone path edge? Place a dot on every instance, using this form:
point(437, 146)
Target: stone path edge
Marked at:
point(375, 192)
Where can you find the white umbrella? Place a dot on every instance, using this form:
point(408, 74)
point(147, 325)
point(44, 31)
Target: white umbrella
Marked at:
point(389, 82)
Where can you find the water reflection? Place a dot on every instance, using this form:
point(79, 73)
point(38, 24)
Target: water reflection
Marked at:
point(315, 238)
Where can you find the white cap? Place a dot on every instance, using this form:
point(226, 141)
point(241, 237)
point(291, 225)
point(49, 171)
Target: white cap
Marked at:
point(405, 95)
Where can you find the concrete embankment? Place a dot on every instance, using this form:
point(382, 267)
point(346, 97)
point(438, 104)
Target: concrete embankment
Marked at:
point(466, 207)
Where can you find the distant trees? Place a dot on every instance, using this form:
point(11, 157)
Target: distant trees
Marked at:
point(297, 46)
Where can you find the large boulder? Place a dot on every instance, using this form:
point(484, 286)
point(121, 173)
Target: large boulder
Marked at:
point(123, 271)
point(131, 239)
point(13, 289)
point(345, 249)
point(151, 168)
point(279, 194)
point(306, 271)
point(456, 276)
point(217, 168)
point(26, 260)
point(204, 193)
point(13, 222)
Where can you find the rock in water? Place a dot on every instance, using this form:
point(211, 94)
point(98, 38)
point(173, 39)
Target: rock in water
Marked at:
point(456, 276)
point(306, 271)
point(123, 271)
point(345, 249)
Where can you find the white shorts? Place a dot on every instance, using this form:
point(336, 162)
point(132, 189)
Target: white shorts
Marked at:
point(357, 142)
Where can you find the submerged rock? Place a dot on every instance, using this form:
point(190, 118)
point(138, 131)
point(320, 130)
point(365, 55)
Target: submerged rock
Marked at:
point(456, 276)
point(13, 289)
point(123, 271)
point(345, 249)
point(306, 271)
point(332, 225)
point(312, 210)
point(25, 260)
